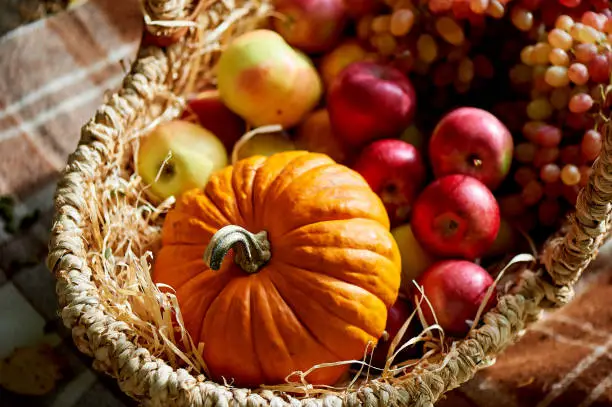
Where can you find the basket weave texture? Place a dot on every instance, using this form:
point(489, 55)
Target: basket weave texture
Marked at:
point(142, 100)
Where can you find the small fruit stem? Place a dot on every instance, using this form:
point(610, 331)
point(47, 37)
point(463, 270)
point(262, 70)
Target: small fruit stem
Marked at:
point(252, 250)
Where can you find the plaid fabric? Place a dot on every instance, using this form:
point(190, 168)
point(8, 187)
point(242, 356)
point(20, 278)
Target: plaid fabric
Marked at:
point(55, 73)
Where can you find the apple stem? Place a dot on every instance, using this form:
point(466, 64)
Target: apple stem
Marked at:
point(476, 162)
point(252, 250)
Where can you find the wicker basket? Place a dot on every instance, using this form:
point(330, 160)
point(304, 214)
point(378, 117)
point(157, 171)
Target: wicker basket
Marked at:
point(145, 99)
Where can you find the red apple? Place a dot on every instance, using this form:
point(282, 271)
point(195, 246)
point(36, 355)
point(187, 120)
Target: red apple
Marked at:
point(456, 216)
point(455, 289)
point(369, 101)
point(207, 109)
point(396, 318)
point(311, 25)
point(471, 141)
point(395, 171)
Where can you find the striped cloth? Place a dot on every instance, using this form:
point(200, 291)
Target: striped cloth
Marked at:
point(53, 75)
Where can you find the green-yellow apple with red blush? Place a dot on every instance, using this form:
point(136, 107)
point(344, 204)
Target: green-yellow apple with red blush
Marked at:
point(265, 144)
point(315, 135)
point(195, 153)
point(339, 58)
point(207, 109)
point(265, 81)
point(312, 26)
point(415, 260)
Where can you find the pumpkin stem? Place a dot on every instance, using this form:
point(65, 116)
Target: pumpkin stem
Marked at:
point(252, 250)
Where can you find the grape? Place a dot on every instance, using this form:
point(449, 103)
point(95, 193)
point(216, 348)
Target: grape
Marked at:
point(364, 27)
point(570, 174)
point(521, 18)
point(585, 173)
point(594, 20)
point(540, 53)
point(532, 193)
point(559, 97)
point(479, 6)
point(402, 21)
point(466, 70)
point(591, 145)
point(483, 67)
point(381, 24)
point(549, 212)
point(550, 173)
point(545, 155)
point(539, 109)
point(461, 87)
point(570, 3)
point(570, 155)
point(608, 26)
point(440, 6)
point(531, 4)
point(578, 73)
point(585, 52)
point(385, 43)
point(520, 74)
point(449, 30)
point(564, 22)
point(525, 152)
point(511, 205)
point(548, 136)
point(527, 55)
point(570, 193)
point(427, 48)
point(559, 38)
point(578, 121)
point(599, 68)
point(580, 103)
point(524, 175)
point(495, 9)
point(558, 57)
point(556, 76)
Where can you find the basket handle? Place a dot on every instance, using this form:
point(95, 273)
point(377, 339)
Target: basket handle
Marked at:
point(566, 257)
point(169, 20)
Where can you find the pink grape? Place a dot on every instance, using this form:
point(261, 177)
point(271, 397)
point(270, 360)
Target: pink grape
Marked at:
point(594, 20)
point(599, 68)
point(578, 73)
point(511, 205)
point(570, 174)
point(580, 103)
point(585, 52)
point(570, 155)
point(550, 173)
point(554, 189)
point(532, 193)
point(591, 144)
point(545, 156)
point(524, 152)
point(524, 175)
point(585, 173)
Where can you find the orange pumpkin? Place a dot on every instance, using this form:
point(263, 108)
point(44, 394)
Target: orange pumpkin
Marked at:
point(314, 272)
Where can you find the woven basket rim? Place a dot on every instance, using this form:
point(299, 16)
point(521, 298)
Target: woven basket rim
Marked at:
point(152, 381)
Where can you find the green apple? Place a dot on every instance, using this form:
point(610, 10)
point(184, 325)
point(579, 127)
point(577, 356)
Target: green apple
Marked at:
point(415, 260)
point(177, 156)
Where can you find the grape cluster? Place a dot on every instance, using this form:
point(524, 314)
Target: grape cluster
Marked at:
point(568, 75)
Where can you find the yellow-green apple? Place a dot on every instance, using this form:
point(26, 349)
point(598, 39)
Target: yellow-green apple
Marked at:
point(339, 58)
point(315, 135)
point(177, 156)
point(455, 289)
point(471, 141)
point(397, 316)
point(456, 216)
point(265, 144)
point(312, 26)
point(396, 172)
point(369, 101)
point(266, 81)
point(415, 260)
point(207, 109)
